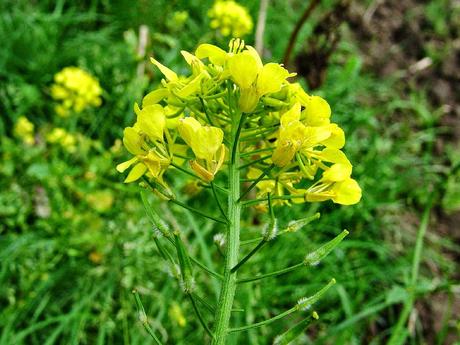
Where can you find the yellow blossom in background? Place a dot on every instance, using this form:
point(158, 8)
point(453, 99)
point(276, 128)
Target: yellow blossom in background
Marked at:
point(24, 130)
point(230, 19)
point(75, 90)
point(177, 20)
point(101, 200)
point(192, 188)
point(95, 257)
point(176, 314)
point(61, 137)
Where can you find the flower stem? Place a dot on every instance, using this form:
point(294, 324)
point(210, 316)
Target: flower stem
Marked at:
point(196, 211)
point(265, 322)
point(228, 287)
point(272, 274)
point(250, 254)
point(198, 314)
point(261, 176)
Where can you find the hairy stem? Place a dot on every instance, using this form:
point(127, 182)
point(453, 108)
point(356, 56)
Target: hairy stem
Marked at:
point(228, 287)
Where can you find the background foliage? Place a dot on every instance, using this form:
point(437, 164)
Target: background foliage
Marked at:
point(74, 241)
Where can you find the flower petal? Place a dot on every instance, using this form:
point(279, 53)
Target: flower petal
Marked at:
point(169, 74)
point(154, 97)
point(152, 120)
point(337, 172)
point(270, 79)
point(188, 128)
point(132, 141)
point(243, 69)
point(317, 112)
point(136, 173)
point(125, 165)
point(347, 192)
point(216, 55)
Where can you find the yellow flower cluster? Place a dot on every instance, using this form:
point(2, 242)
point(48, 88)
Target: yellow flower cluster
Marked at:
point(62, 138)
point(75, 90)
point(24, 130)
point(230, 18)
point(288, 144)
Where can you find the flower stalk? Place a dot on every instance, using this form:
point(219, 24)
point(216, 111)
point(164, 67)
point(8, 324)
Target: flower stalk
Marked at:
point(227, 293)
point(234, 113)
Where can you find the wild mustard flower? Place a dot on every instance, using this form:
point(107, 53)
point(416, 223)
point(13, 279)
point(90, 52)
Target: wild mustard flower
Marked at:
point(184, 112)
point(233, 116)
point(24, 130)
point(230, 18)
point(177, 315)
point(146, 141)
point(75, 90)
point(61, 137)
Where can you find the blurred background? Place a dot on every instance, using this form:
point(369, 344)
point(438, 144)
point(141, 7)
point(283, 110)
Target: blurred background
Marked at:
point(75, 241)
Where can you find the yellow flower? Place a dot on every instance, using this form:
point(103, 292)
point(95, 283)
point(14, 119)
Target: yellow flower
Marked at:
point(75, 90)
point(230, 18)
point(145, 140)
point(283, 184)
point(337, 185)
point(176, 314)
point(216, 55)
point(24, 130)
point(101, 201)
point(317, 111)
point(295, 136)
point(206, 144)
point(61, 137)
point(189, 117)
point(255, 79)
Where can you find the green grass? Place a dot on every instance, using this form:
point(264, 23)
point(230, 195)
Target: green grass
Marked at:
point(52, 292)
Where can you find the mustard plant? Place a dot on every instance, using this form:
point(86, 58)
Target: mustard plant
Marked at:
point(75, 90)
point(274, 144)
point(229, 18)
point(24, 130)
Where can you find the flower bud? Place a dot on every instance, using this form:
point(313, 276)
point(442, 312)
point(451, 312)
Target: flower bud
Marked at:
point(248, 100)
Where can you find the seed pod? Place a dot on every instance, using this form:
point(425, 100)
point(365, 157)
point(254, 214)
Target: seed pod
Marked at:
point(271, 230)
point(295, 331)
point(315, 257)
point(159, 226)
point(296, 225)
point(306, 302)
point(187, 281)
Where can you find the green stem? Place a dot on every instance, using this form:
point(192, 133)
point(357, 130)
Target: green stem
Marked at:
point(255, 161)
point(206, 269)
point(261, 176)
point(250, 254)
point(185, 171)
point(254, 152)
point(198, 314)
point(265, 322)
point(213, 188)
point(399, 334)
point(194, 210)
point(264, 200)
point(143, 318)
point(272, 274)
point(227, 293)
point(206, 112)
